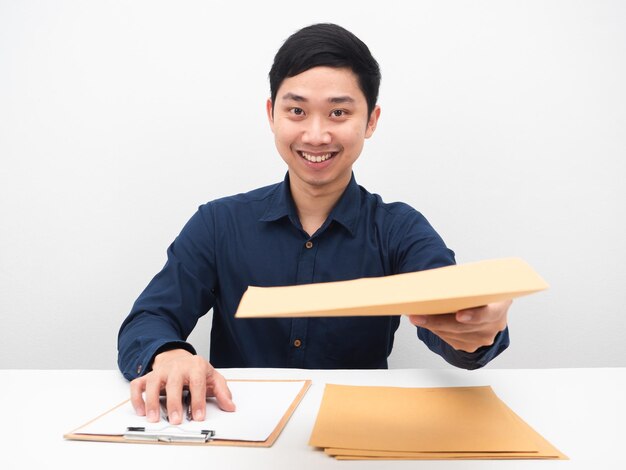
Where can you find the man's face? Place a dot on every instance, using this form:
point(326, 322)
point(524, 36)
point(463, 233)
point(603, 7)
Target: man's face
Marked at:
point(320, 122)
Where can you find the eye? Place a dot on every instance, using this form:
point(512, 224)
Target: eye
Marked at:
point(337, 113)
point(297, 111)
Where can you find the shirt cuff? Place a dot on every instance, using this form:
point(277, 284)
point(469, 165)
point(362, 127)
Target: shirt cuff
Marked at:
point(143, 364)
point(466, 360)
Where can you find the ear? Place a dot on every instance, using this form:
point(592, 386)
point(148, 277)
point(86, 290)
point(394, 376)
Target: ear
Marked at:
point(372, 122)
point(269, 108)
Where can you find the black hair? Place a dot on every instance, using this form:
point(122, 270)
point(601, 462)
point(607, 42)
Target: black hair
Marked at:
point(326, 44)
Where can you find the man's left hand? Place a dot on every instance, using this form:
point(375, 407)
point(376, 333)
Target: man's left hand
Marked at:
point(469, 329)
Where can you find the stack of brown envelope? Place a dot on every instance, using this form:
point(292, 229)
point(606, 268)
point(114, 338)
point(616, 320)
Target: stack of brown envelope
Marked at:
point(358, 422)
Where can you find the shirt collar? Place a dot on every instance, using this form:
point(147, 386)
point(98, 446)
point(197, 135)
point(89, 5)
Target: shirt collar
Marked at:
point(280, 204)
point(345, 212)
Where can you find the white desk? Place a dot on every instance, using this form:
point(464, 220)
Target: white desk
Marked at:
point(581, 411)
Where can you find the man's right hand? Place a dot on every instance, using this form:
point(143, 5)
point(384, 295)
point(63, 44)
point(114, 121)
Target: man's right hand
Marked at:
point(171, 371)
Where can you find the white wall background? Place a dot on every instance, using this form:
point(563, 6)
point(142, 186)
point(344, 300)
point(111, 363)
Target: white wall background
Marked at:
point(503, 122)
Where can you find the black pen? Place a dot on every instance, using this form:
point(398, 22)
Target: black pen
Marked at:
point(187, 405)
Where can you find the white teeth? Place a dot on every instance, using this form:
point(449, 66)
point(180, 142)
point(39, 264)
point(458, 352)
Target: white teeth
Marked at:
point(316, 158)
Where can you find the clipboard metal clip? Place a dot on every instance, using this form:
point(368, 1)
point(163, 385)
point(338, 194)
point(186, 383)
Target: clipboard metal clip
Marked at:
point(173, 436)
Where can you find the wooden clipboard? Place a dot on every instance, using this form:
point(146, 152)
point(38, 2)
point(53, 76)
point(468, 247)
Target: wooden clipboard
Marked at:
point(77, 435)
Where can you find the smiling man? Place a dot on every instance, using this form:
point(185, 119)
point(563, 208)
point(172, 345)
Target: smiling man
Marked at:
point(320, 123)
point(318, 225)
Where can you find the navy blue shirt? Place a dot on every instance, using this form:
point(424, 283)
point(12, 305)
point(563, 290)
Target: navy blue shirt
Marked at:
point(256, 239)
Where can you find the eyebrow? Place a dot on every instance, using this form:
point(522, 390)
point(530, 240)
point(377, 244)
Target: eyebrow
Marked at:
point(293, 97)
point(341, 99)
point(336, 99)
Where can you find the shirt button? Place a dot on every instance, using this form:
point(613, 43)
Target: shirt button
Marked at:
point(139, 369)
point(297, 343)
point(309, 244)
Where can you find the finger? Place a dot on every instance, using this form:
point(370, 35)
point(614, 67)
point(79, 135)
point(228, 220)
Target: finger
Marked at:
point(418, 320)
point(174, 400)
point(137, 387)
point(495, 312)
point(153, 390)
point(221, 392)
point(464, 346)
point(469, 342)
point(197, 389)
point(436, 322)
point(472, 315)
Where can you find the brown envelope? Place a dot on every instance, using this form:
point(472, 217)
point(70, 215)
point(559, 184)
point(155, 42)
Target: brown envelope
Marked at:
point(434, 291)
point(423, 423)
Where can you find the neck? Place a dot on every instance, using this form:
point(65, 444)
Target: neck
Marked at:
point(313, 204)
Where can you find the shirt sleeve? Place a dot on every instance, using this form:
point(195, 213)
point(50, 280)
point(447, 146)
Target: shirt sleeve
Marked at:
point(462, 359)
point(168, 309)
point(420, 247)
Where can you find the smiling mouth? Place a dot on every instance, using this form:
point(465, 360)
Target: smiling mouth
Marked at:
point(317, 158)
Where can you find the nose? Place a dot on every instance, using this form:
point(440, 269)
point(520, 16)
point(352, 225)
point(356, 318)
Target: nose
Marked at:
point(315, 132)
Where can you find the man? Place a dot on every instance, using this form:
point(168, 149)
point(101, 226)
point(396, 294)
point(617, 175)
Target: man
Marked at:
point(317, 225)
